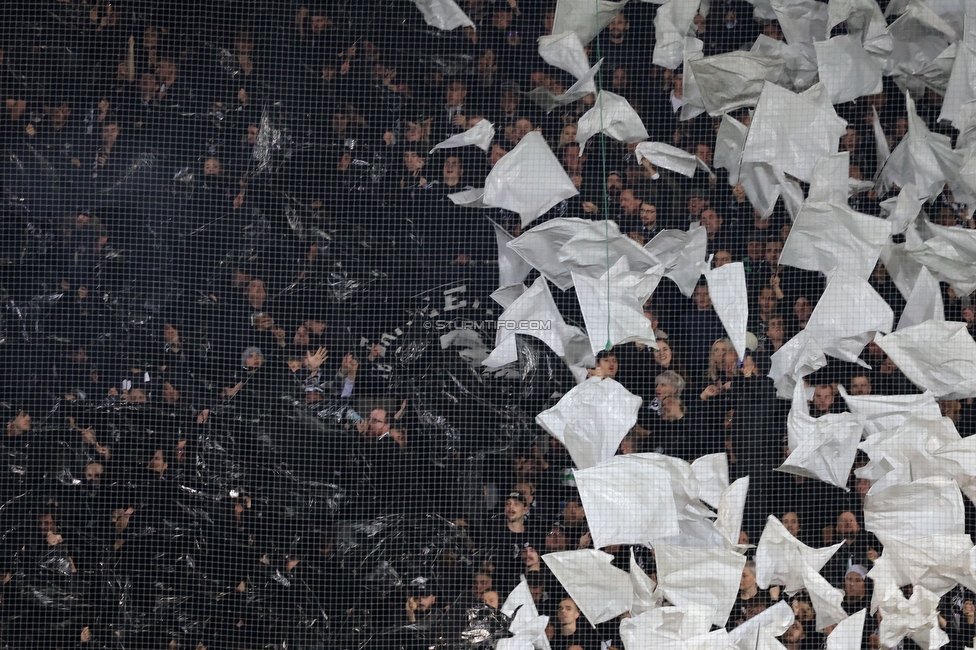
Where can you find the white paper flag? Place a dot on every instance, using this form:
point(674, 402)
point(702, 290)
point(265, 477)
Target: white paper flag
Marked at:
point(512, 269)
point(613, 306)
point(628, 500)
point(829, 236)
point(733, 80)
point(599, 589)
point(479, 135)
point(839, 332)
point(584, 17)
point(846, 69)
point(792, 132)
point(613, 116)
point(591, 420)
point(528, 180)
point(443, 14)
point(533, 313)
point(727, 289)
point(672, 23)
point(928, 506)
point(706, 577)
point(938, 356)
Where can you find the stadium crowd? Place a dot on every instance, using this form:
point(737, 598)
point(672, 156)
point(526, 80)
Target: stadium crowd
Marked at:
point(216, 213)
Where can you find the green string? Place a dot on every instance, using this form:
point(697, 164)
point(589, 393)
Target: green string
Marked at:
point(603, 162)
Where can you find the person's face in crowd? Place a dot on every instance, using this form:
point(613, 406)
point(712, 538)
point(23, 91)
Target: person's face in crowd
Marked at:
point(900, 129)
point(399, 436)
point(663, 354)
point(413, 162)
point(572, 160)
point(772, 30)
point(649, 315)
point(515, 510)
point(537, 592)
point(791, 522)
point(530, 557)
point(678, 86)
point(717, 353)
point(379, 422)
point(702, 300)
point(497, 153)
point(481, 584)
point(548, 20)
point(608, 365)
point(860, 385)
point(619, 80)
point(823, 398)
point(212, 167)
point(803, 610)
point(490, 598)
point(648, 215)
point(773, 250)
point(854, 586)
point(567, 135)
point(254, 360)
point(629, 203)
point(256, 293)
point(802, 309)
point(414, 132)
point(147, 84)
point(252, 133)
point(573, 513)
point(775, 329)
point(93, 472)
point(526, 466)
point(522, 128)
point(767, 300)
point(527, 490)
point(170, 394)
point(319, 23)
point(748, 579)
point(244, 43)
point(663, 391)
point(556, 540)
point(695, 205)
point(58, 115)
point(539, 79)
point(167, 71)
point(568, 612)
point(263, 322)
point(20, 424)
point(615, 184)
point(110, 133)
point(704, 153)
point(848, 141)
point(301, 336)
point(755, 249)
point(455, 93)
point(888, 366)
point(730, 364)
point(618, 28)
point(794, 634)
point(47, 525)
point(509, 102)
point(862, 486)
point(150, 38)
point(710, 221)
point(847, 525)
point(722, 258)
point(452, 171)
